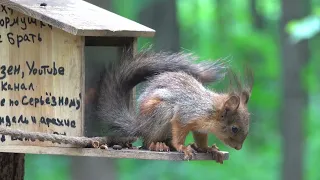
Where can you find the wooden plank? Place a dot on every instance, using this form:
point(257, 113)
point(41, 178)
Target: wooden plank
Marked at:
point(108, 41)
point(79, 17)
point(42, 104)
point(108, 153)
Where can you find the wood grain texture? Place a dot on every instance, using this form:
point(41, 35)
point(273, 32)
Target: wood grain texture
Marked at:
point(58, 95)
point(12, 166)
point(79, 17)
point(108, 41)
point(108, 153)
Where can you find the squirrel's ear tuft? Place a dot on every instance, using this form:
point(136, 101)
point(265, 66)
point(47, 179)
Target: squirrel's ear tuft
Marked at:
point(232, 104)
point(245, 95)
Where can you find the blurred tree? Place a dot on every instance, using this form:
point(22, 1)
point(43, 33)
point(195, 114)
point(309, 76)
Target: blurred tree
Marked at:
point(222, 13)
point(294, 58)
point(257, 19)
point(161, 16)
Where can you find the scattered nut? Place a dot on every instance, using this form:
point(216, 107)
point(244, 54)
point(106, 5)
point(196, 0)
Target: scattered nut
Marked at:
point(117, 147)
point(95, 144)
point(43, 4)
point(103, 147)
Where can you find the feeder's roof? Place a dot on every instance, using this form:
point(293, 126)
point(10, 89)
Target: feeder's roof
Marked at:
point(79, 17)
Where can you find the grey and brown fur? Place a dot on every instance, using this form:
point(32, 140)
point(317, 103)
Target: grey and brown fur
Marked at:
point(180, 93)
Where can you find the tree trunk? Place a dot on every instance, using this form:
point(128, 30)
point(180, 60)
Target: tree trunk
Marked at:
point(294, 58)
point(161, 16)
point(11, 166)
point(257, 19)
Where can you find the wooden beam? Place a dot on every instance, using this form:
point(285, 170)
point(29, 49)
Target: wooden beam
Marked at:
point(108, 153)
point(108, 41)
point(79, 17)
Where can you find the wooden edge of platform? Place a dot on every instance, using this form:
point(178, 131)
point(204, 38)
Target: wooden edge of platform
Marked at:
point(109, 153)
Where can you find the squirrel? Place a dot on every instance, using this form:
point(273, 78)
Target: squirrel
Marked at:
point(119, 78)
point(174, 102)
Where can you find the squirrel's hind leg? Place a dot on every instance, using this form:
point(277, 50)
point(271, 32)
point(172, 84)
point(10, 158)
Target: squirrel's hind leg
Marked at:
point(155, 115)
point(158, 146)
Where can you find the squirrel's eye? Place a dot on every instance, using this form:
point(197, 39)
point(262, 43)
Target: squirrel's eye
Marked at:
point(234, 129)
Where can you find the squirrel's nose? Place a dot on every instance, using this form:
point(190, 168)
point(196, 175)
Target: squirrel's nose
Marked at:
point(238, 147)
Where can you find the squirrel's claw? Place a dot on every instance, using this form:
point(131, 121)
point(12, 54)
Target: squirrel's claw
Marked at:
point(152, 146)
point(188, 155)
point(215, 147)
point(191, 149)
point(188, 152)
point(214, 150)
point(216, 153)
point(158, 146)
point(218, 156)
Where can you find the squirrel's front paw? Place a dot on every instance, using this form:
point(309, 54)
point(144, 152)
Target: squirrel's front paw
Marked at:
point(218, 155)
point(188, 152)
point(209, 149)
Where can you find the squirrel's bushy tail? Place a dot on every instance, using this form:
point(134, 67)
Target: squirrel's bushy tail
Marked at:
point(118, 80)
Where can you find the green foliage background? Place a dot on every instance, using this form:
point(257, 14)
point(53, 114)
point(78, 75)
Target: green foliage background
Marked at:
point(202, 32)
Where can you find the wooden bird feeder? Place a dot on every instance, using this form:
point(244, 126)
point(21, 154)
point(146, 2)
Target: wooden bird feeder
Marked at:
point(42, 72)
